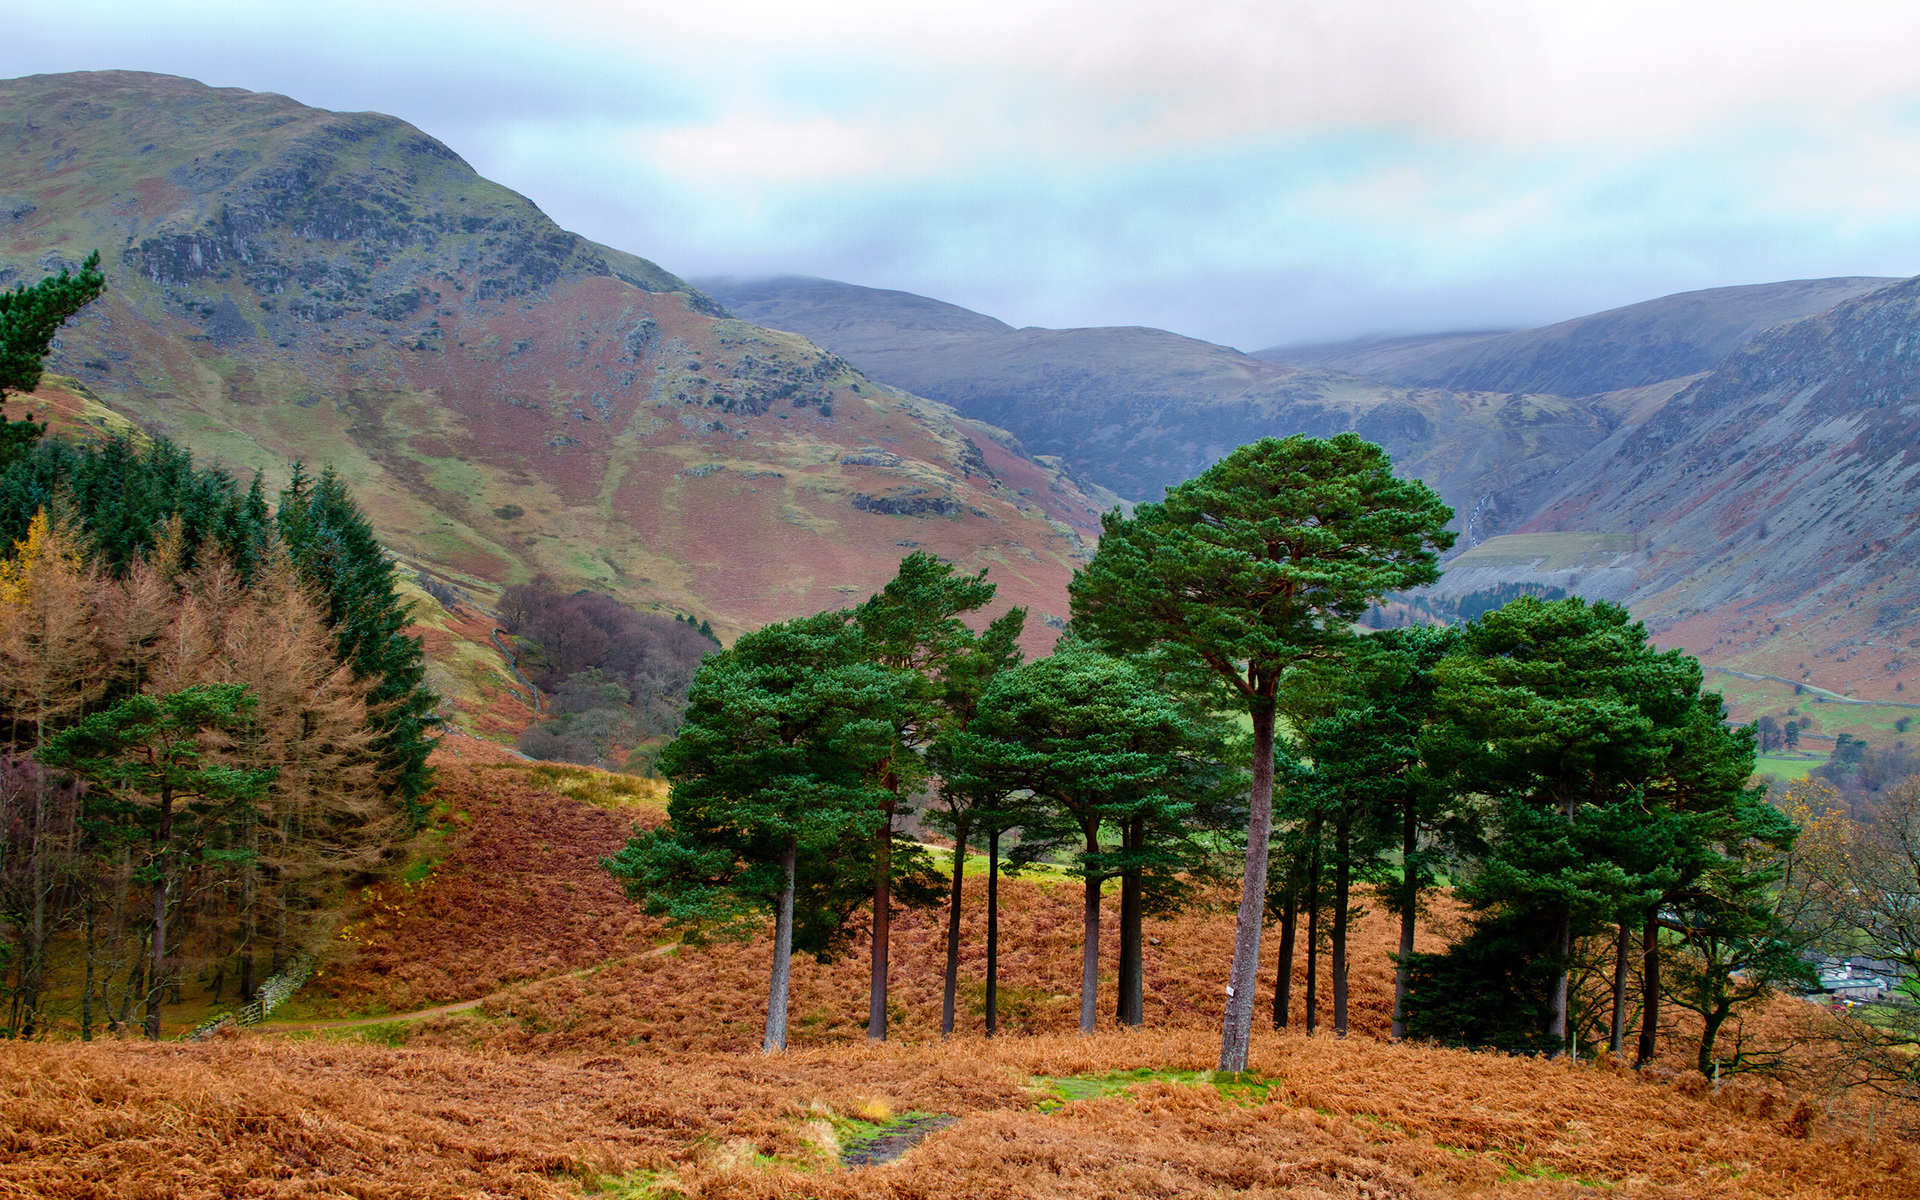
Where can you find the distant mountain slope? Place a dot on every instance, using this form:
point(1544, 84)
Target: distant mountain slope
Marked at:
point(853, 321)
point(505, 397)
point(1136, 409)
point(1625, 347)
point(1779, 488)
point(1374, 357)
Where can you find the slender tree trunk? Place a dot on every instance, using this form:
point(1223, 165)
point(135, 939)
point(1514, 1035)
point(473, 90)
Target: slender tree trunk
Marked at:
point(34, 968)
point(1557, 1026)
point(1342, 894)
point(1283, 974)
point(157, 972)
point(136, 985)
point(249, 917)
point(1622, 956)
point(993, 933)
point(882, 932)
point(1236, 1034)
point(1709, 1034)
point(1313, 938)
point(93, 958)
point(1090, 947)
point(1130, 1006)
point(1650, 989)
point(1409, 906)
point(782, 973)
point(953, 930)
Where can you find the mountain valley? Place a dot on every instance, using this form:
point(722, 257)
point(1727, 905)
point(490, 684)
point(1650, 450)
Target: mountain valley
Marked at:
point(509, 399)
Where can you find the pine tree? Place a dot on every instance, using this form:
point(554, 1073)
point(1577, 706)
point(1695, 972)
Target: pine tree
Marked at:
point(774, 772)
point(335, 551)
point(150, 785)
point(967, 806)
point(1095, 743)
point(1568, 714)
point(912, 627)
point(29, 318)
point(1261, 562)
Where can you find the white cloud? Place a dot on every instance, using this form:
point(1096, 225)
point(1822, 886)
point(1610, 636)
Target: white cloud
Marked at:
point(1246, 170)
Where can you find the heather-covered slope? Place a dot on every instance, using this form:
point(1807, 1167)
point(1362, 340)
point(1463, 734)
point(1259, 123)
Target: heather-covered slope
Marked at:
point(505, 397)
point(1628, 347)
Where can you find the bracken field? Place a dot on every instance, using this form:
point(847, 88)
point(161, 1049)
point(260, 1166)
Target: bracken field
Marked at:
point(604, 1058)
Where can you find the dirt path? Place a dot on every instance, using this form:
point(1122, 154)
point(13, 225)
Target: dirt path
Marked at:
point(896, 1141)
point(444, 1009)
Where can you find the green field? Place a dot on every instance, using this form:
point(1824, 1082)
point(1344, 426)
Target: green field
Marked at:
point(1559, 550)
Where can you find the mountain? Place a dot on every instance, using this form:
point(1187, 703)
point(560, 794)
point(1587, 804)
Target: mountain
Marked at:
point(505, 397)
point(1626, 347)
point(1777, 490)
point(1135, 410)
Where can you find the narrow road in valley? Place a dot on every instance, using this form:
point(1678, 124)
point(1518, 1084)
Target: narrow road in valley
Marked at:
point(1831, 697)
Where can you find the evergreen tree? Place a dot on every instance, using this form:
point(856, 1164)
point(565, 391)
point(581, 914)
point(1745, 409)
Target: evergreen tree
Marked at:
point(912, 627)
point(152, 786)
point(1713, 861)
point(334, 549)
point(1093, 740)
point(773, 777)
point(1567, 715)
point(1261, 562)
point(29, 317)
point(970, 804)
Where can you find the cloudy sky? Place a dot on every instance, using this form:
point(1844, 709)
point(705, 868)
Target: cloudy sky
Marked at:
point(1248, 171)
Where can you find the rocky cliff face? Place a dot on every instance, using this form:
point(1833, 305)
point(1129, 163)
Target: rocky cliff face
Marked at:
point(506, 397)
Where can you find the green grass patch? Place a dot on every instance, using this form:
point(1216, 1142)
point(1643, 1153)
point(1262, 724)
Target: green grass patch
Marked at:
point(1786, 768)
point(1560, 551)
point(1241, 1087)
point(603, 789)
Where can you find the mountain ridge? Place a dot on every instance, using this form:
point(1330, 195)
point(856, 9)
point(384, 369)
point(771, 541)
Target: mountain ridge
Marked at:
point(1631, 346)
point(506, 398)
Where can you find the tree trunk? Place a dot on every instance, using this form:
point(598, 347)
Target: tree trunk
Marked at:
point(249, 920)
point(777, 985)
point(93, 959)
point(1650, 989)
point(993, 933)
point(1709, 1034)
point(1562, 978)
point(1409, 905)
point(882, 912)
point(1313, 937)
point(1557, 1025)
point(34, 968)
point(1622, 956)
point(1090, 948)
point(1236, 1034)
point(1342, 893)
point(157, 972)
point(1283, 975)
point(1131, 1003)
point(953, 931)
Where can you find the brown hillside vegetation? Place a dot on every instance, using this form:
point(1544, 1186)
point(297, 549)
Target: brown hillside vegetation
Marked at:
point(251, 1116)
point(605, 1061)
